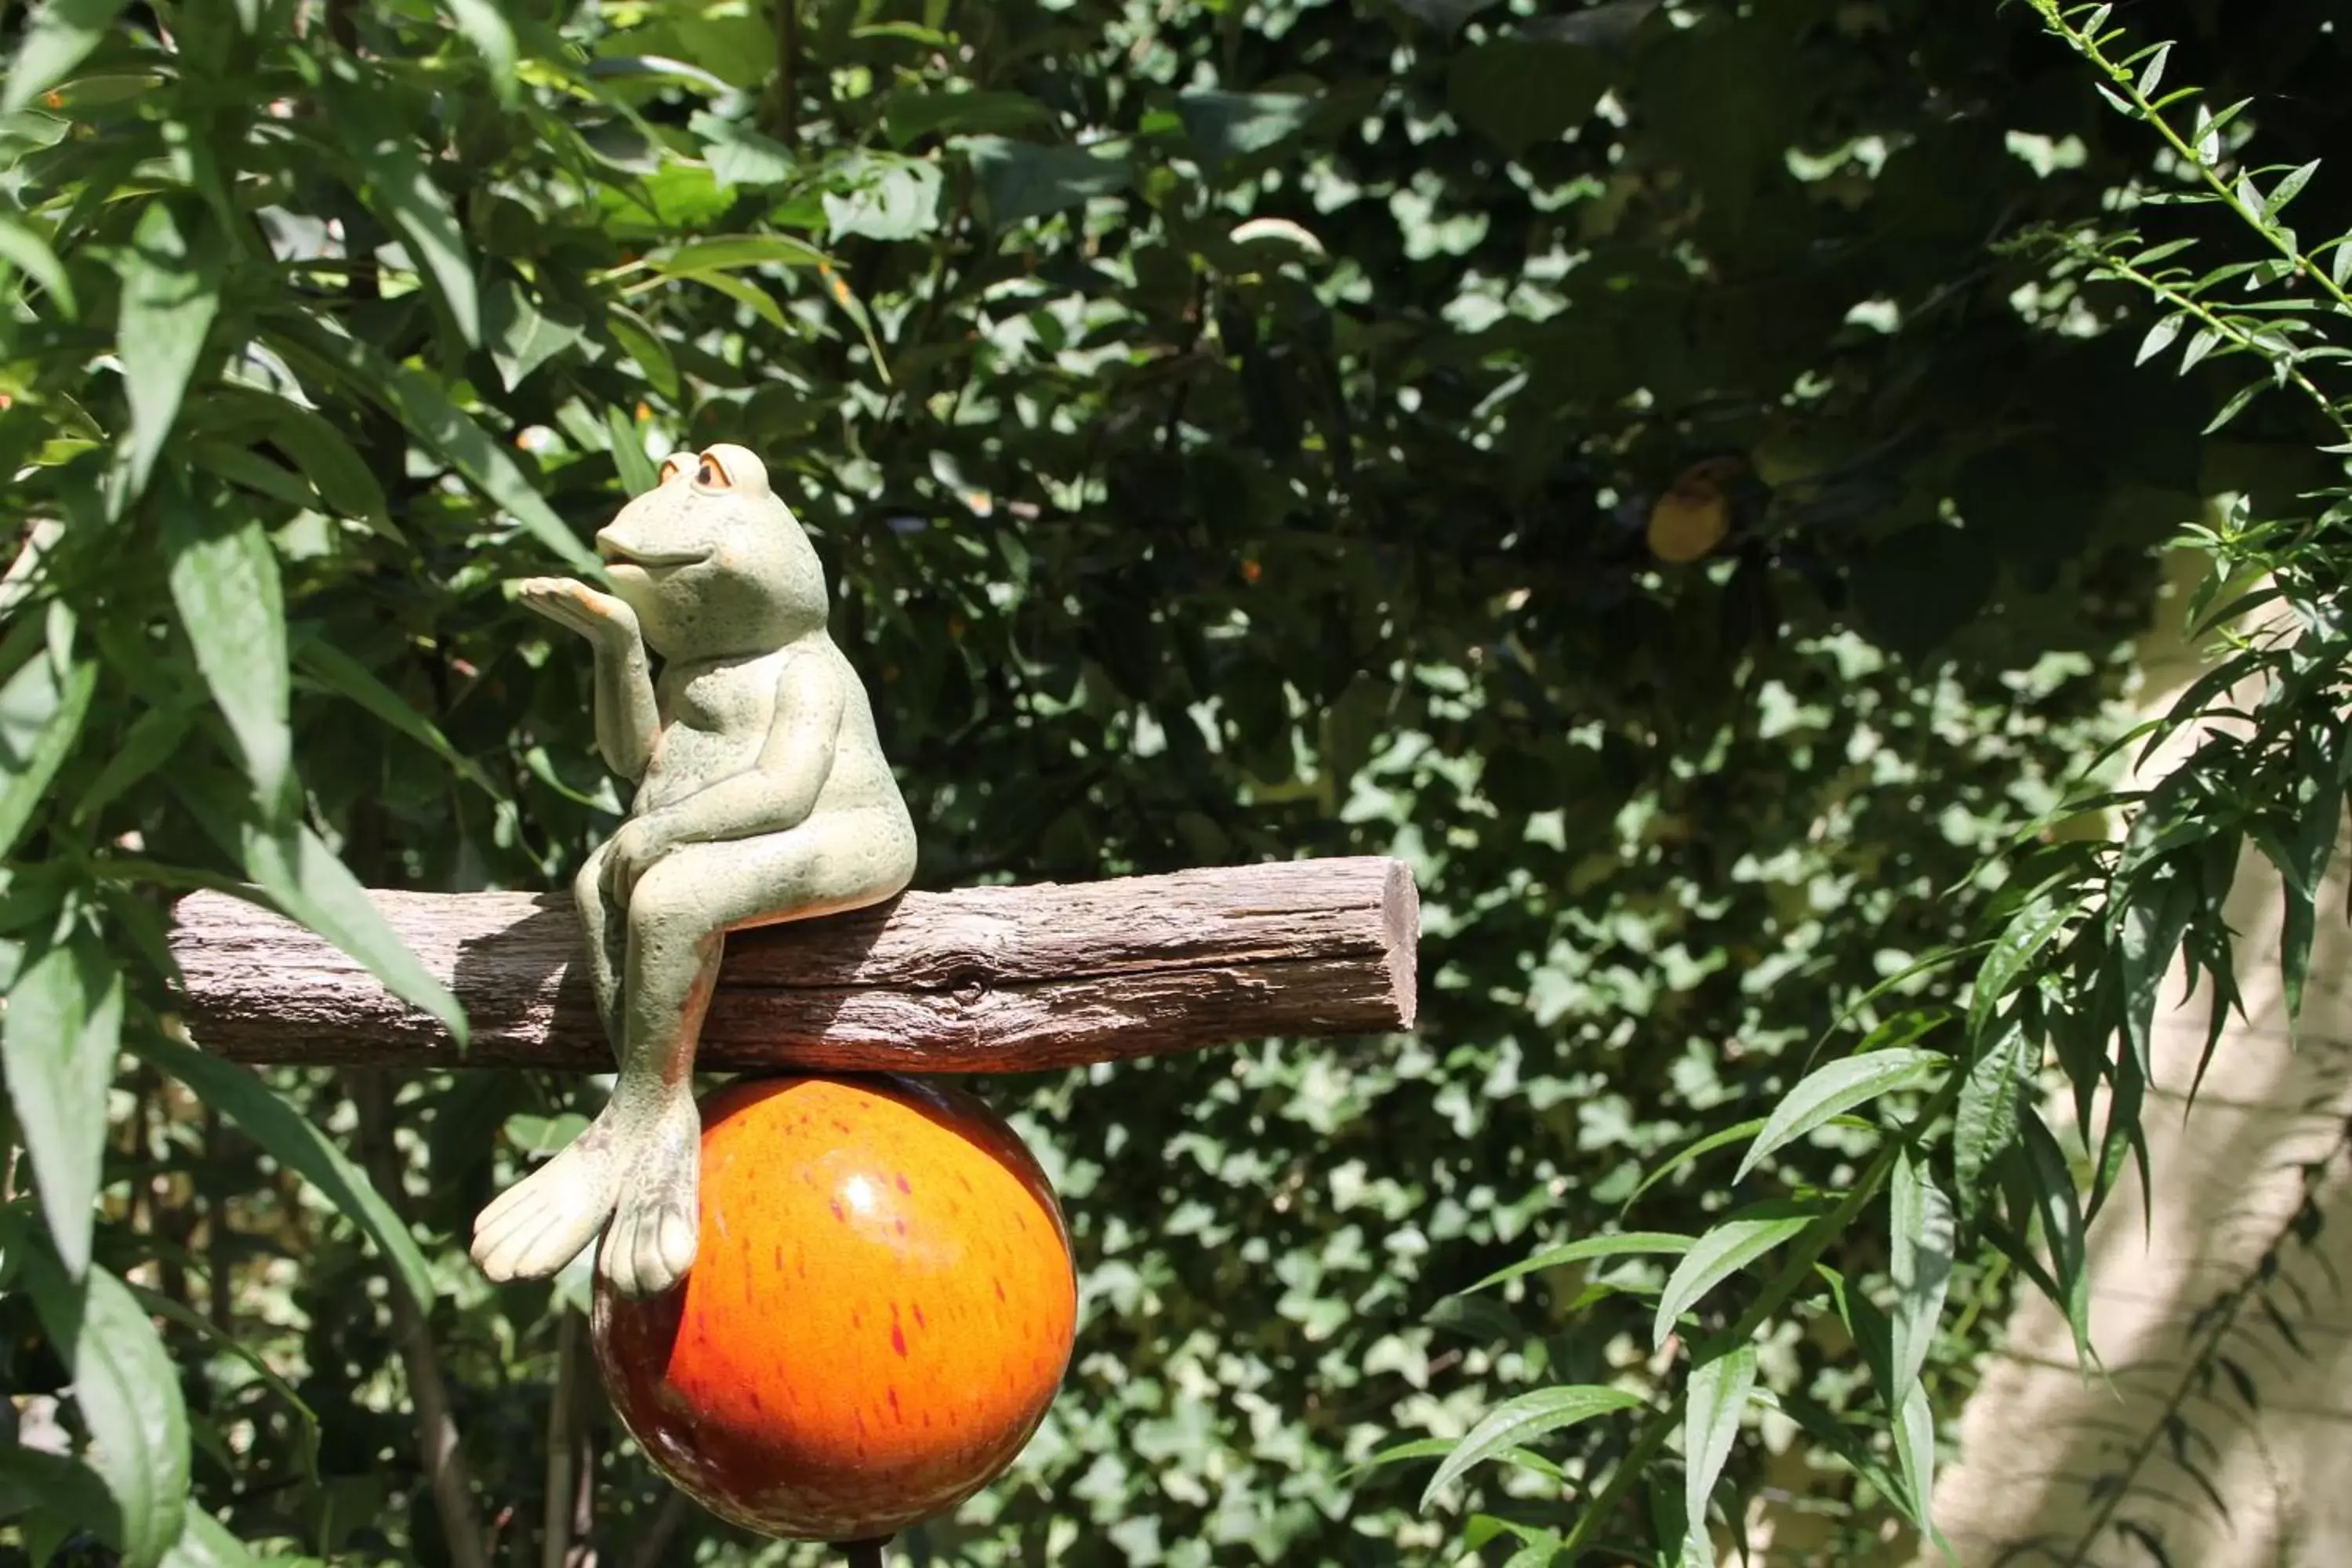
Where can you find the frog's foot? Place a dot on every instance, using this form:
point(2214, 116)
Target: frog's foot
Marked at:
point(539, 1224)
point(651, 1242)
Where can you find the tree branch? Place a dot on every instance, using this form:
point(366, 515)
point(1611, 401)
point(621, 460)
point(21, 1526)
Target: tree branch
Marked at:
point(986, 980)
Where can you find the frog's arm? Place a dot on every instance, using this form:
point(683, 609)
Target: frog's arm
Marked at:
point(781, 789)
point(627, 720)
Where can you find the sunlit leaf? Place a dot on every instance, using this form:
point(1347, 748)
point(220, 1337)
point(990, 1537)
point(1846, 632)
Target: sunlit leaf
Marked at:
point(1723, 1251)
point(61, 1035)
point(1625, 1245)
point(129, 1394)
point(1835, 1089)
point(1923, 1236)
point(170, 294)
point(1519, 1420)
point(1716, 1394)
point(225, 586)
point(400, 184)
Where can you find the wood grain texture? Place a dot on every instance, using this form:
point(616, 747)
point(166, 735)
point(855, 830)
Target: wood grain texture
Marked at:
point(1002, 979)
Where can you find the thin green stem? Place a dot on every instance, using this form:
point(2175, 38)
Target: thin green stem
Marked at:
point(2127, 86)
point(1810, 1245)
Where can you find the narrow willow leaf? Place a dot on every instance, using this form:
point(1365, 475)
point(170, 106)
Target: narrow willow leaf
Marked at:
point(400, 188)
point(2235, 406)
point(2153, 924)
point(25, 250)
point(344, 675)
point(41, 714)
point(484, 25)
point(520, 335)
point(1849, 1441)
point(637, 472)
point(642, 343)
point(2028, 931)
point(225, 586)
point(2206, 341)
point(2050, 1187)
point(1986, 1120)
point(1515, 1421)
point(2340, 269)
point(151, 742)
point(158, 1305)
point(1923, 1238)
point(1723, 1251)
point(59, 37)
point(205, 1542)
point(1835, 1089)
point(440, 423)
point(743, 291)
point(129, 1396)
point(1627, 1244)
point(2290, 186)
point(63, 1031)
point(2302, 859)
point(171, 295)
point(299, 876)
point(2152, 73)
point(2160, 338)
point(295, 1144)
point(1915, 1449)
point(325, 456)
point(1437, 1447)
point(725, 253)
point(1716, 1395)
point(1740, 1133)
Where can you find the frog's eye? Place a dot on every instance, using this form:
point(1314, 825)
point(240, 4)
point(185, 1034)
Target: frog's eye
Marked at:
point(676, 464)
point(712, 475)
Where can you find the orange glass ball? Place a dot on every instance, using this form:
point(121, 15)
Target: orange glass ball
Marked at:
point(880, 1310)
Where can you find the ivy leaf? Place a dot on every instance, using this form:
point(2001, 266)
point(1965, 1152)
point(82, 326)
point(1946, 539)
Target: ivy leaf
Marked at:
point(225, 586)
point(1717, 1393)
point(395, 177)
point(63, 1031)
point(437, 422)
point(912, 114)
point(1835, 1089)
point(1723, 1251)
point(1225, 126)
point(1923, 1237)
point(1514, 1422)
point(739, 154)
point(1019, 180)
point(295, 1144)
point(1516, 92)
point(59, 37)
point(170, 294)
point(883, 195)
point(1625, 1245)
point(129, 1394)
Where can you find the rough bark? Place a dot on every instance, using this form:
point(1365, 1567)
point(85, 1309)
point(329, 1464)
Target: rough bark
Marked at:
point(998, 979)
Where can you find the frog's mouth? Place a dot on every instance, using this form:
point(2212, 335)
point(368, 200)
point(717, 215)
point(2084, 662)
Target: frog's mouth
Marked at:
point(618, 555)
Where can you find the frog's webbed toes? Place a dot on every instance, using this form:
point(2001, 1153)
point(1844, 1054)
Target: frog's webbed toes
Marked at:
point(655, 1227)
point(541, 1222)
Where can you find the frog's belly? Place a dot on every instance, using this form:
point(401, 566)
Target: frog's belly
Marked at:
point(688, 759)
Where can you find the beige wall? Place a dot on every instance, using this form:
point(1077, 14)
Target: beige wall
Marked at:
point(2166, 1460)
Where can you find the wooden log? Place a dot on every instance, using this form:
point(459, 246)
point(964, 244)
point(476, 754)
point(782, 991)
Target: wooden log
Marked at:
point(1000, 979)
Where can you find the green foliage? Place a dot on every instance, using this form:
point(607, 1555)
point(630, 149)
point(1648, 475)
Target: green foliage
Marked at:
point(1233, 433)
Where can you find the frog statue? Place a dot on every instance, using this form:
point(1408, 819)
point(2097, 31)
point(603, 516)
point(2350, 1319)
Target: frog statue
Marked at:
point(762, 796)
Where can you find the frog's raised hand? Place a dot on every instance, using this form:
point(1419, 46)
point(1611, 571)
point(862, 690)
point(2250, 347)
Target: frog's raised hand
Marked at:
point(764, 797)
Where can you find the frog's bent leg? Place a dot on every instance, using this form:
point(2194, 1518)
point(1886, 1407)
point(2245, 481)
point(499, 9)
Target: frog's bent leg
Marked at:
point(601, 927)
point(636, 1165)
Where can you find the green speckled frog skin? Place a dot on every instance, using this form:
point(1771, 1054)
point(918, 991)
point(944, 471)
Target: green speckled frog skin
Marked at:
point(763, 797)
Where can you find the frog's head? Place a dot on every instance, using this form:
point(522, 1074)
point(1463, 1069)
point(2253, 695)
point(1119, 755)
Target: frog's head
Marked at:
point(711, 562)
